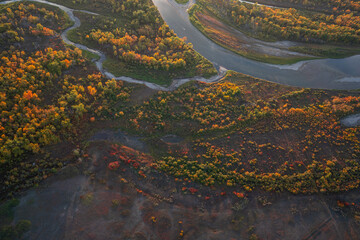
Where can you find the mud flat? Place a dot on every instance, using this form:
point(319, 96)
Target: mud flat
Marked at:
point(105, 204)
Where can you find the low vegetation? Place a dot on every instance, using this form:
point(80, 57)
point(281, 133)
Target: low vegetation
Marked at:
point(291, 24)
point(337, 30)
point(239, 132)
point(235, 41)
point(182, 1)
point(326, 6)
point(8, 230)
point(41, 101)
point(138, 42)
point(256, 134)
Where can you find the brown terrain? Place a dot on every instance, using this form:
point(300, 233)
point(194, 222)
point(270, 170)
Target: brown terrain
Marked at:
point(90, 201)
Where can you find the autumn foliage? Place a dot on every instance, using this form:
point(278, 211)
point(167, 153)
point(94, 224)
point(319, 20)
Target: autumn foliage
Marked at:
point(22, 22)
point(39, 104)
point(134, 33)
point(338, 26)
point(257, 135)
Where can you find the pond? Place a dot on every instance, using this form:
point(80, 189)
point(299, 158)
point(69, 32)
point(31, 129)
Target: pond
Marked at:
point(351, 121)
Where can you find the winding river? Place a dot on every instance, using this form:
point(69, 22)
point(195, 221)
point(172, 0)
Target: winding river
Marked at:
point(325, 73)
point(74, 205)
point(99, 63)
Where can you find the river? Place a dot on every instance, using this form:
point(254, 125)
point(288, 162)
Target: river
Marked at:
point(87, 201)
point(99, 63)
point(325, 73)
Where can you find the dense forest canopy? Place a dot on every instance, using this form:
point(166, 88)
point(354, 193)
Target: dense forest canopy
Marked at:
point(50, 91)
point(256, 134)
point(40, 104)
point(204, 160)
point(133, 32)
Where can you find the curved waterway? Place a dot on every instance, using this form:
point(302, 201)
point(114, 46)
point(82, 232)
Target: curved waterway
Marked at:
point(325, 73)
point(99, 63)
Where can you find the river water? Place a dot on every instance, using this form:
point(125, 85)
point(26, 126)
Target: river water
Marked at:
point(324, 73)
point(99, 63)
point(90, 202)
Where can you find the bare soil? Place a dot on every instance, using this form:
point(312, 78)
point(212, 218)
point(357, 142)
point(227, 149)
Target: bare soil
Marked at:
point(89, 201)
point(239, 42)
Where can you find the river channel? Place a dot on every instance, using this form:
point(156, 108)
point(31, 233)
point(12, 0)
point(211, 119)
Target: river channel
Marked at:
point(325, 73)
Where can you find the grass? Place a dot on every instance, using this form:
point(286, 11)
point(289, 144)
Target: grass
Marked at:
point(7, 210)
point(68, 23)
point(97, 7)
point(9, 230)
point(90, 56)
point(108, 20)
point(208, 32)
point(74, 35)
point(182, 1)
point(163, 78)
point(111, 64)
point(77, 34)
point(59, 12)
point(253, 129)
point(316, 50)
point(120, 68)
point(328, 51)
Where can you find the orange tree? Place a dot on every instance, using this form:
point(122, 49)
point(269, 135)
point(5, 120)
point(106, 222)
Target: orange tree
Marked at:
point(255, 134)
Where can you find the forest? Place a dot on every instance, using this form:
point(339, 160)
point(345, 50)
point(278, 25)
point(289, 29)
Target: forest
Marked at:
point(256, 134)
point(236, 142)
point(41, 105)
point(225, 123)
point(139, 40)
point(317, 5)
point(341, 25)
